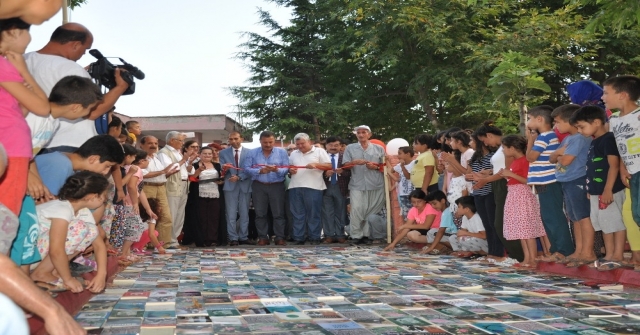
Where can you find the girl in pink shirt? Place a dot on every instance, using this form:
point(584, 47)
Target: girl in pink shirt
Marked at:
point(420, 219)
point(19, 94)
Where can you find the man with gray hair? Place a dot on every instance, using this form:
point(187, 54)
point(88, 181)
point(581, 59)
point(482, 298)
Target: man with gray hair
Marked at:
point(155, 180)
point(306, 187)
point(366, 187)
point(177, 183)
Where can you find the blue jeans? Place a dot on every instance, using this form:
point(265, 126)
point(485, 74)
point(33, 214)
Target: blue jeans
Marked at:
point(306, 207)
point(553, 218)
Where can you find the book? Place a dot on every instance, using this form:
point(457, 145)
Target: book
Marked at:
point(292, 317)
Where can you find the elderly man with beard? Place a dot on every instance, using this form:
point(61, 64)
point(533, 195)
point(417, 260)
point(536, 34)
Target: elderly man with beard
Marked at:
point(155, 180)
point(366, 187)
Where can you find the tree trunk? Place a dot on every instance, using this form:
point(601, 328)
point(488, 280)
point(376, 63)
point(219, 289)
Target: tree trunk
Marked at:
point(431, 114)
point(316, 129)
point(523, 118)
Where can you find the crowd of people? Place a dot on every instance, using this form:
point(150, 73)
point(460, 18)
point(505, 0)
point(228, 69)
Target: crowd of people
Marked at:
point(77, 184)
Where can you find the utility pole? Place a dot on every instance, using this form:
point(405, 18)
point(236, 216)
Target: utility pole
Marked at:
point(65, 11)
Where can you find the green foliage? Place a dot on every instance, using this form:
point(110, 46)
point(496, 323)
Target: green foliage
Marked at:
point(76, 3)
point(406, 67)
point(613, 15)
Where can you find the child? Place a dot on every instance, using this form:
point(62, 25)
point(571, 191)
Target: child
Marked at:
point(460, 141)
point(622, 93)
point(542, 142)
point(67, 228)
point(471, 237)
point(134, 227)
point(134, 130)
point(571, 160)
point(605, 188)
point(423, 174)
point(150, 234)
point(440, 238)
point(456, 187)
point(421, 217)
point(116, 234)
point(521, 210)
point(18, 91)
point(97, 154)
point(30, 11)
point(405, 187)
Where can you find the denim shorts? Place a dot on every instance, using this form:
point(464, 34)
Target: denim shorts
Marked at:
point(576, 202)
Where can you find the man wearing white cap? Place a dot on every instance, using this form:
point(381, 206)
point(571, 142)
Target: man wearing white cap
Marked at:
point(366, 187)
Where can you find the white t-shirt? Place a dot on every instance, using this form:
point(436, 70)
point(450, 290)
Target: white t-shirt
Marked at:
point(309, 178)
point(47, 70)
point(465, 157)
point(498, 161)
point(405, 187)
point(626, 129)
point(473, 225)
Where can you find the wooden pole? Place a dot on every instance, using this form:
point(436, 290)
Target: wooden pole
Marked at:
point(387, 199)
point(65, 11)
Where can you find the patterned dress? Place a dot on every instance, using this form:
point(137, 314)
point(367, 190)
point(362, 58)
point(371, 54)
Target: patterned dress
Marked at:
point(522, 209)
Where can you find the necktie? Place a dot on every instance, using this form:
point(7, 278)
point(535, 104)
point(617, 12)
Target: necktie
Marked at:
point(236, 157)
point(334, 177)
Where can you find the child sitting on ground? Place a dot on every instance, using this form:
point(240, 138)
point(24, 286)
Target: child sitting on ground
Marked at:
point(67, 228)
point(421, 217)
point(150, 234)
point(471, 237)
point(439, 238)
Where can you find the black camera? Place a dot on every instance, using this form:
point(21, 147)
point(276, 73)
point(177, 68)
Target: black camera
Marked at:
point(104, 72)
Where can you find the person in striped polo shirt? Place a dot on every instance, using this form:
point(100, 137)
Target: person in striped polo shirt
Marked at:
point(542, 141)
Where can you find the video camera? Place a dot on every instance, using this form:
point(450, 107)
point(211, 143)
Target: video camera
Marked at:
point(104, 72)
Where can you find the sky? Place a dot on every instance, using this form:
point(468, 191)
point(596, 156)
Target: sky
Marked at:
point(185, 48)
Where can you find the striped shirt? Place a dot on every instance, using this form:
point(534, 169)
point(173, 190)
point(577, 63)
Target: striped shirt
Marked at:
point(542, 172)
point(484, 163)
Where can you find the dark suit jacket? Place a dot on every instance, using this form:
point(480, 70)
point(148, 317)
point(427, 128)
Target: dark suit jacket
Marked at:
point(343, 179)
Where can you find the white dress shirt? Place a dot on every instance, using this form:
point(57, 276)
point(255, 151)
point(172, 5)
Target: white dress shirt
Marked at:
point(155, 165)
point(166, 160)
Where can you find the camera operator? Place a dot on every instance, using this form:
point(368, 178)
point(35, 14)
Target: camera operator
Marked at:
point(56, 60)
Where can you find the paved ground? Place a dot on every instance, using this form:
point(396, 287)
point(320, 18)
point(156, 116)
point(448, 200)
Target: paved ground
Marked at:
point(350, 290)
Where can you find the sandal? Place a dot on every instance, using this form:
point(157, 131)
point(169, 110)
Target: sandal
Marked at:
point(576, 263)
point(596, 263)
point(568, 260)
point(52, 286)
point(609, 265)
point(555, 258)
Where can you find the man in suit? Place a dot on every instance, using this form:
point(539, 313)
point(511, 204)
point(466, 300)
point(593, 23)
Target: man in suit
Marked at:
point(237, 190)
point(334, 205)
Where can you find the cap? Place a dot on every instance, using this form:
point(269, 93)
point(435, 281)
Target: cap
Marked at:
point(361, 127)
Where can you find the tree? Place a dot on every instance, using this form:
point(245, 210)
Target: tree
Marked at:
point(612, 15)
point(291, 86)
point(513, 81)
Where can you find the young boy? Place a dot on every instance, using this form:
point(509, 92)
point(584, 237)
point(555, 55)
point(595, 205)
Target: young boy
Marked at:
point(97, 154)
point(403, 178)
point(471, 238)
point(605, 188)
point(440, 237)
point(134, 129)
point(621, 93)
point(571, 160)
point(542, 141)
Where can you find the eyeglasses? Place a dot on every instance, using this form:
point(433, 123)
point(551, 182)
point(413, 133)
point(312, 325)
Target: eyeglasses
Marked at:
point(194, 146)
